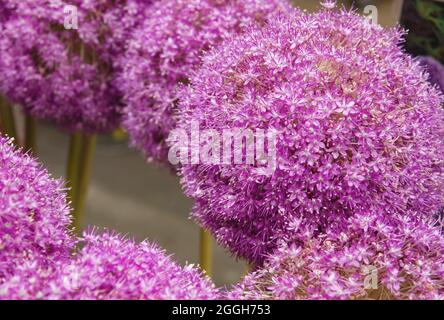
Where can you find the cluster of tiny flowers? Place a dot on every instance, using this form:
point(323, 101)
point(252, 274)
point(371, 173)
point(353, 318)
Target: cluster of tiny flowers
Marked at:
point(376, 257)
point(51, 71)
point(164, 52)
point(34, 216)
point(358, 128)
point(111, 267)
point(435, 70)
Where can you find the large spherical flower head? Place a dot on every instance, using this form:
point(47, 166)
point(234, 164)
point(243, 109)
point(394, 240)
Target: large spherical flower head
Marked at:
point(377, 257)
point(357, 127)
point(166, 50)
point(34, 216)
point(111, 267)
point(52, 72)
point(435, 70)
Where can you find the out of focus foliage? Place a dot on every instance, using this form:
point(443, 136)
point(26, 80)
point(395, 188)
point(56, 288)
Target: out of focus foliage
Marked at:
point(425, 21)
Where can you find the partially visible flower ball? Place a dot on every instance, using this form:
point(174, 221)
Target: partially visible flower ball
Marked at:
point(111, 267)
point(377, 257)
point(34, 216)
point(358, 127)
point(166, 50)
point(435, 70)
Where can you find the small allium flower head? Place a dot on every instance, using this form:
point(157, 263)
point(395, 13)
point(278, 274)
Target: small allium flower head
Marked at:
point(376, 257)
point(112, 267)
point(34, 216)
point(358, 128)
point(435, 70)
point(165, 51)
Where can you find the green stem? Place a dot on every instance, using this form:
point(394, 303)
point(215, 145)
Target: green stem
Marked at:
point(31, 134)
point(72, 173)
point(205, 252)
point(7, 119)
point(85, 166)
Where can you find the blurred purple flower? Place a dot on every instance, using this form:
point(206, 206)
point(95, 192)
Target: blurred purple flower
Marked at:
point(165, 51)
point(66, 76)
point(435, 70)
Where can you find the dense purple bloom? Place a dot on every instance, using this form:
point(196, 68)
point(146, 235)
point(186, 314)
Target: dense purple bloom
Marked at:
point(64, 75)
point(111, 267)
point(165, 51)
point(435, 70)
point(37, 250)
point(376, 257)
point(359, 128)
point(34, 216)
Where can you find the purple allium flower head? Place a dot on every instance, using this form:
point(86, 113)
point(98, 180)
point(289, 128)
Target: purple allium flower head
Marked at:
point(166, 50)
point(435, 70)
point(358, 128)
point(34, 216)
point(111, 267)
point(376, 257)
point(65, 75)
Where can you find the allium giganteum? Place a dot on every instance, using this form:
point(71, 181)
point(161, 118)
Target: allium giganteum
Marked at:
point(111, 267)
point(377, 256)
point(65, 73)
point(37, 259)
point(166, 50)
point(359, 129)
point(34, 216)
